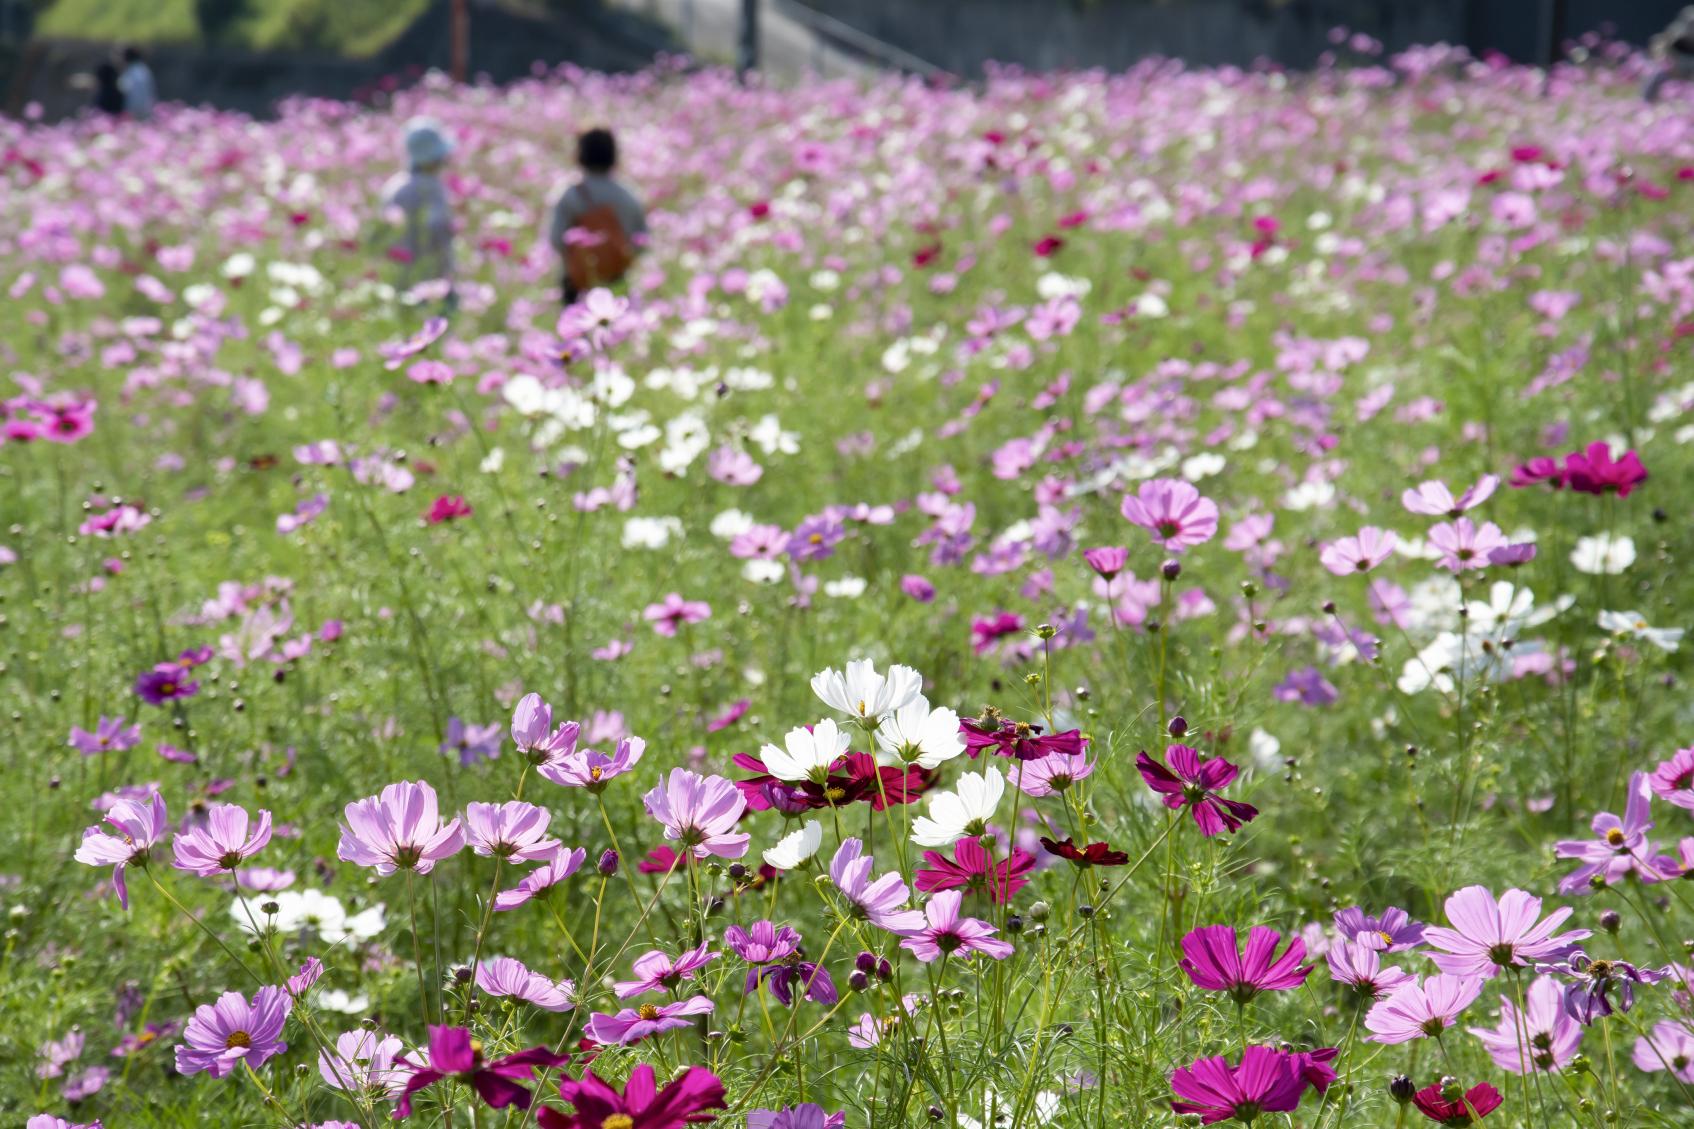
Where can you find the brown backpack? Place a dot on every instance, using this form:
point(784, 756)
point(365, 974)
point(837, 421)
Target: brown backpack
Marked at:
point(606, 256)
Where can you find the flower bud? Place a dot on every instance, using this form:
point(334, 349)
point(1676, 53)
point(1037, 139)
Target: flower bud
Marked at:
point(608, 864)
point(737, 871)
point(1611, 921)
point(884, 970)
point(865, 962)
point(1178, 726)
point(462, 974)
point(1451, 1089)
point(1039, 911)
point(858, 981)
point(1170, 570)
point(1401, 1088)
point(1014, 924)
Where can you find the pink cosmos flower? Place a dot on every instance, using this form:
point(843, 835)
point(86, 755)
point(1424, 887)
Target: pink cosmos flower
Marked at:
point(1212, 961)
point(222, 842)
point(633, 1024)
point(1173, 511)
point(140, 823)
point(223, 1034)
point(1488, 935)
point(1107, 561)
point(534, 735)
point(1668, 1046)
point(1051, 774)
point(700, 812)
point(657, 972)
point(110, 735)
point(881, 902)
point(592, 770)
point(1433, 499)
point(674, 610)
point(513, 830)
point(504, 976)
point(1543, 1037)
point(564, 862)
point(948, 932)
point(1465, 546)
point(1361, 969)
point(1673, 780)
point(1359, 553)
point(1417, 1011)
point(396, 353)
point(1194, 783)
point(364, 1062)
point(400, 829)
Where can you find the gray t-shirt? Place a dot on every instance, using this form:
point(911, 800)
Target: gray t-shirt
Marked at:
point(595, 191)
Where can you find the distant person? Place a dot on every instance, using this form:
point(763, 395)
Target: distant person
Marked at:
point(136, 82)
point(108, 95)
point(597, 222)
point(425, 213)
point(1675, 48)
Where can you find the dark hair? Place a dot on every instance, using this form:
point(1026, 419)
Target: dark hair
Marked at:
point(597, 150)
point(106, 73)
point(132, 54)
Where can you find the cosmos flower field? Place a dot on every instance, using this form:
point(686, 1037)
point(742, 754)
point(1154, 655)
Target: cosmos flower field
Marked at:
point(1141, 600)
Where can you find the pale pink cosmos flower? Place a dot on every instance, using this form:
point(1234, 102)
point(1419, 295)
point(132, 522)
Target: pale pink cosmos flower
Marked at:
point(564, 862)
point(1487, 935)
point(222, 842)
point(1543, 1036)
point(1433, 499)
point(1359, 553)
point(140, 825)
point(1464, 545)
point(656, 972)
point(512, 830)
point(1417, 1011)
point(1053, 773)
point(882, 902)
point(504, 976)
point(700, 812)
point(534, 735)
point(947, 932)
point(593, 770)
point(673, 610)
point(1174, 512)
point(400, 829)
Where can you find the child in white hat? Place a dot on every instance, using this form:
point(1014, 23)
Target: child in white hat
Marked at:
point(418, 199)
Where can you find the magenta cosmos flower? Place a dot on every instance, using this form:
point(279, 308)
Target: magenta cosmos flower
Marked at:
point(972, 868)
point(140, 823)
point(948, 932)
point(1419, 1010)
point(881, 902)
point(1173, 512)
point(633, 1024)
point(700, 812)
point(452, 1054)
point(1489, 935)
point(1193, 783)
point(1594, 471)
point(564, 862)
point(512, 830)
point(1476, 1103)
point(1266, 1081)
point(400, 829)
point(657, 972)
point(1619, 847)
point(221, 842)
point(223, 1034)
point(1359, 553)
point(642, 1105)
point(673, 610)
point(1213, 962)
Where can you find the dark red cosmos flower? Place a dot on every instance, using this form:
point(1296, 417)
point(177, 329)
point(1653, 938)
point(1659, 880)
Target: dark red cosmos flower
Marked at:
point(642, 1105)
point(1047, 245)
point(1095, 854)
point(452, 1054)
point(851, 778)
point(926, 254)
point(446, 508)
point(1017, 739)
point(1594, 471)
point(1478, 1102)
point(973, 869)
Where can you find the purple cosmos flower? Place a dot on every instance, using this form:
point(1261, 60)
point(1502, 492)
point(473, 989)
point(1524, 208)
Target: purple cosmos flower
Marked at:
point(917, 588)
point(1463, 545)
point(56, 1054)
point(881, 902)
point(633, 1024)
point(657, 972)
point(504, 976)
point(1212, 960)
point(1053, 773)
point(110, 735)
point(1194, 783)
point(586, 768)
point(947, 932)
point(560, 865)
point(512, 830)
point(365, 1062)
point(803, 1116)
point(1392, 931)
point(1433, 499)
point(815, 538)
point(1668, 1046)
point(1359, 553)
point(1173, 511)
point(400, 829)
point(673, 610)
point(50, 1121)
point(782, 977)
point(1619, 848)
point(763, 943)
point(1673, 780)
point(1361, 968)
point(1266, 1081)
point(642, 1105)
point(471, 742)
point(311, 970)
point(1307, 686)
point(1489, 935)
point(140, 823)
point(1417, 1010)
point(1543, 1037)
point(1592, 984)
point(232, 1030)
point(165, 683)
point(221, 842)
point(700, 812)
point(396, 353)
point(453, 1055)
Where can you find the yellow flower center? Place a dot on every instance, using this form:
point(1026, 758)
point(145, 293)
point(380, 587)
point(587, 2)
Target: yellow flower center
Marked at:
point(238, 1039)
point(647, 1012)
point(618, 1121)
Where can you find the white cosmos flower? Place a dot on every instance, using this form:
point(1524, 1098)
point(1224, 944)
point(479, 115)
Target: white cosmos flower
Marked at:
point(864, 695)
point(796, 847)
point(763, 572)
point(731, 524)
point(308, 910)
point(334, 999)
point(998, 1111)
point(964, 811)
point(650, 532)
point(1603, 555)
point(847, 588)
point(1634, 624)
point(806, 755)
point(918, 735)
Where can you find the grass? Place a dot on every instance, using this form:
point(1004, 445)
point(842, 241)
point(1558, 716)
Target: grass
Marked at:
point(354, 29)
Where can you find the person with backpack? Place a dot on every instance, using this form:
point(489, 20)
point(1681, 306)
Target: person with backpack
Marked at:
point(598, 224)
